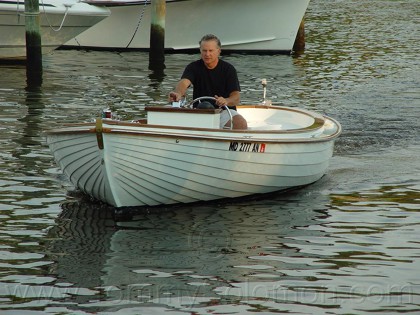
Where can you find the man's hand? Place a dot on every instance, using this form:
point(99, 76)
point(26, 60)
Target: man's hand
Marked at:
point(179, 92)
point(221, 101)
point(174, 97)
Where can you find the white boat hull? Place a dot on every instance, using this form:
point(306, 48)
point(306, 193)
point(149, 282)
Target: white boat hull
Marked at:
point(193, 170)
point(132, 164)
point(74, 18)
point(248, 25)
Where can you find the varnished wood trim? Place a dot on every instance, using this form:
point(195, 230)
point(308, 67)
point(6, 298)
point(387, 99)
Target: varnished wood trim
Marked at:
point(216, 137)
point(184, 110)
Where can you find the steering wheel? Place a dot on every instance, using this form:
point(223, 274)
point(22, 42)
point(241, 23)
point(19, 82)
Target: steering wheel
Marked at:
point(199, 99)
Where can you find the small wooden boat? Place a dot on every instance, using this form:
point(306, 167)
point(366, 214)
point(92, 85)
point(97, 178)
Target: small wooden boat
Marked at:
point(181, 155)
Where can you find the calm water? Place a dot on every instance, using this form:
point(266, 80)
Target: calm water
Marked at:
point(348, 244)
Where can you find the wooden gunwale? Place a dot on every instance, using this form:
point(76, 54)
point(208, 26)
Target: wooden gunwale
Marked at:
point(217, 138)
point(185, 136)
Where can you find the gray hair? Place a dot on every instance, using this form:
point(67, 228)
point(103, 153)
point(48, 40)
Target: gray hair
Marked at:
point(209, 37)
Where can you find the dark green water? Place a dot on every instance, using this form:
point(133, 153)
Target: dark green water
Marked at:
point(347, 244)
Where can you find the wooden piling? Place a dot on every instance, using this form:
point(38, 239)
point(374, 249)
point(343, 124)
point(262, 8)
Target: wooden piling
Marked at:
point(33, 43)
point(299, 45)
point(157, 32)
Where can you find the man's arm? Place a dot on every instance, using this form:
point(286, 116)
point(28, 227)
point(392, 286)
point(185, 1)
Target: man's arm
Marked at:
point(233, 99)
point(180, 90)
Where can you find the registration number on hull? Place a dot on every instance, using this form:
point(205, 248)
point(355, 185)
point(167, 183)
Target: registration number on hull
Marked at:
point(247, 147)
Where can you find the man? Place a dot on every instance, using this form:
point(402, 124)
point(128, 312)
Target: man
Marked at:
point(211, 76)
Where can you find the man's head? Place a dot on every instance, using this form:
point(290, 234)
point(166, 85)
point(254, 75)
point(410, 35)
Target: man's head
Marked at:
point(210, 48)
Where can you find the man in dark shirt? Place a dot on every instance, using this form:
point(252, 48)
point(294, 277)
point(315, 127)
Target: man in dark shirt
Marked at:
point(211, 76)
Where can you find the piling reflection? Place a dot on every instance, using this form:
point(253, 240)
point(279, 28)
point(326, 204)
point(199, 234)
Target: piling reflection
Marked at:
point(33, 122)
point(157, 74)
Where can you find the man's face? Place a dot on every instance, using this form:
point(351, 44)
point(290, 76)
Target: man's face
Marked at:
point(210, 53)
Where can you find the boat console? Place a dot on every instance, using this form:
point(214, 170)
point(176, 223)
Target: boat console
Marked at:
point(183, 117)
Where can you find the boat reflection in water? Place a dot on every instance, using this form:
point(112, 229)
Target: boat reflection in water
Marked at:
point(180, 257)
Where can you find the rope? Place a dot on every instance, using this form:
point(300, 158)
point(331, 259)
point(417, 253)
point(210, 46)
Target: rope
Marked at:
point(138, 24)
point(49, 23)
